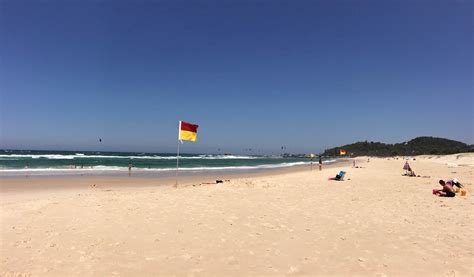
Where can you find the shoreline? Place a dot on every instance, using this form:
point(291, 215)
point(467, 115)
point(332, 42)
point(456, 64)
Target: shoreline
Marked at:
point(114, 171)
point(48, 182)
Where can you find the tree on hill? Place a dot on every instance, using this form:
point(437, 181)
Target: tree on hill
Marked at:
point(417, 146)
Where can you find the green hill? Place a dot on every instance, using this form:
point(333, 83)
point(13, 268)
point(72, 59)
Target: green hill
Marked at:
point(417, 146)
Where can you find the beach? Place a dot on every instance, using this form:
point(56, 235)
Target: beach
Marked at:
point(285, 222)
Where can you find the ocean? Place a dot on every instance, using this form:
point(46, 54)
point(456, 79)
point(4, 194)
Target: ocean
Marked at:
point(26, 162)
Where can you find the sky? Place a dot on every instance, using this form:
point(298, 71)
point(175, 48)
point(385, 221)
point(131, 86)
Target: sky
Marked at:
point(306, 75)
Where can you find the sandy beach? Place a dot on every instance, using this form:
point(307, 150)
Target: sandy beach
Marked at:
point(375, 223)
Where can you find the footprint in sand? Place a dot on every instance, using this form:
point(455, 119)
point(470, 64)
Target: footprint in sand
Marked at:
point(361, 261)
point(268, 225)
point(15, 274)
point(293, 270)
point(186, 256)
point(231, 260)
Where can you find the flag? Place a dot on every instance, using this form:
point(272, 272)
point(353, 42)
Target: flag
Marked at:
point(187, 131)
point(342, 152)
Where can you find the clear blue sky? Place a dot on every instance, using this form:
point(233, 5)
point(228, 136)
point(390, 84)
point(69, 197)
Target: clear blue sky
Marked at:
point(261, 74)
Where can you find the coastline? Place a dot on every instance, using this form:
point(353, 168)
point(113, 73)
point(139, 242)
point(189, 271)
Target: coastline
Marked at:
point(202, 166)
point(67, 163)
point(47, 182)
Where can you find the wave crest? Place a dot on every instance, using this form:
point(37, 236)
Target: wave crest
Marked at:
point(157, 157)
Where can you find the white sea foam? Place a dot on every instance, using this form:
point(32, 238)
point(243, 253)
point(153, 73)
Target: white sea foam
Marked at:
point(82, 156)
point(101, 168)
point(330, 161)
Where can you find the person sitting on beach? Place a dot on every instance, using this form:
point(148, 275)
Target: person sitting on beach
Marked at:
point(447, 191)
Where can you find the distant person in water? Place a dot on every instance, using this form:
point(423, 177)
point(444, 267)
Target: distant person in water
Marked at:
point(130, 165)
point(447, 191)
point(320, 163)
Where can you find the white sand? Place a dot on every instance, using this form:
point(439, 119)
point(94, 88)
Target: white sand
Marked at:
point(377, 223)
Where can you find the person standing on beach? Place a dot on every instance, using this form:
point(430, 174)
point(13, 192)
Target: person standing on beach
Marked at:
point(27, 165)
point(130, 165)
point(320, 163)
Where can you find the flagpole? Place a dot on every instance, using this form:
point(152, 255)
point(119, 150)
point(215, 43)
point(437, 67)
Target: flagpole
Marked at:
point(177, 154)
point(177, 164)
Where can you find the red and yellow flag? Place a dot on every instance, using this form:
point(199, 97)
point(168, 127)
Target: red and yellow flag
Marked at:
point(187, 131)
point(342, 152)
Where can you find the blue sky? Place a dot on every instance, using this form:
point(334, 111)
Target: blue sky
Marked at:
point(307, 75)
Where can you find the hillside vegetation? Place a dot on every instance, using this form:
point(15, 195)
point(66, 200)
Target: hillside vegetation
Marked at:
point(417, 146)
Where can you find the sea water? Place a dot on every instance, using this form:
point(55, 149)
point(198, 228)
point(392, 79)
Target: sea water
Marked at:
point(21, 162)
